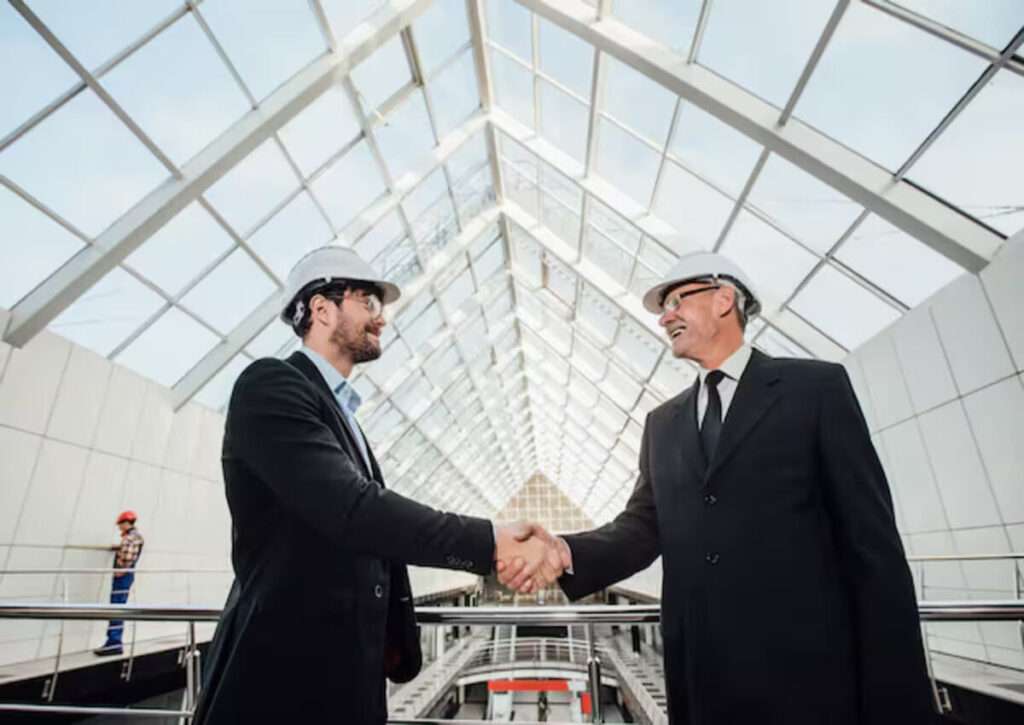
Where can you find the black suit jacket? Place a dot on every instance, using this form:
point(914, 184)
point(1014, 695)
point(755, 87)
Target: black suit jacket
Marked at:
point(786, 596)
point(321, 604)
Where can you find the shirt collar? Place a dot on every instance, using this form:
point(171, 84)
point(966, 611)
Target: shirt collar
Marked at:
point(338, 383)
point(733, 366)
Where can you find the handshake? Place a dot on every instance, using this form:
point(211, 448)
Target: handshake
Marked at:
point(529, 558)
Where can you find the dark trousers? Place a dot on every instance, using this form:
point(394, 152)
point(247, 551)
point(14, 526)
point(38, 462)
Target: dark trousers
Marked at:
point(118, 595)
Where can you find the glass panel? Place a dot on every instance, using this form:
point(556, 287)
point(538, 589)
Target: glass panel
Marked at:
point(842, 309)
point(229, 292)
point(168, 348)
point(395, 355)
point(405, 137)
point(696, 210)
point(181, 249)
point(774, 263)
point(741, 42)
point(381, 75)
point(96, 31)
point(440, 31)
point(566, 58)
point(425, 195)
point(714, 150)
point(288, 39)
point(423, 327)
point(184, 106)
point(513, 87)
point(320, 131)
point(886, 70)
point(271, 341)
point(103, 169)
point(976, 163)
point(640, 103)
point(252, 189)
point(31, 75)
point(638, 348)
point(398, 263)
point(458, 291)
point(344, 16)
point(490, 262)
point(473, 194)
point(563, 122)
point(454, 94)
point(808, 209)
point(291, 233)
point(993, 21)
point(774, 343)
point(384, 232)
point(32, 247)
point(897, 262)
point(599, 315)
point(349, 186)
point(468, 157)
point(508, 25)
point(610, 257)
point(216, 393)
point(670, 22)
point(626, 162)
point(108, 313)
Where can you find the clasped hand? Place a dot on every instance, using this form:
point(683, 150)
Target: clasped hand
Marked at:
point(528, 558)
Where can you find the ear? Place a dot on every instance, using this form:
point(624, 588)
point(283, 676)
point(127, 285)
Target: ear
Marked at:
point(725, 300)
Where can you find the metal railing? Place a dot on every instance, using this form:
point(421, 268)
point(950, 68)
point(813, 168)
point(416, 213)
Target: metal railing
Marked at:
point(446, 616)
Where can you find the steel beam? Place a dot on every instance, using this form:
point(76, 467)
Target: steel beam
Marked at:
point(948, 231)
point(87, 267)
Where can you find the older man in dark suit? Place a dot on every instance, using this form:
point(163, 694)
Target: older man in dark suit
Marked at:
point(321, 608)
point(786, 596)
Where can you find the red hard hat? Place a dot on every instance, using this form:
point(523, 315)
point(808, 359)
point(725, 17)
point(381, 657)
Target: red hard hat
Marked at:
point(127, 516)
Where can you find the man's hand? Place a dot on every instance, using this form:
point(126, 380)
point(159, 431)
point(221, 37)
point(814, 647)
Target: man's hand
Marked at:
point(519, 573)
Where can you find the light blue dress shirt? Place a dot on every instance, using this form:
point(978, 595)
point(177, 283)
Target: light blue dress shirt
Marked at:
point(348, 398)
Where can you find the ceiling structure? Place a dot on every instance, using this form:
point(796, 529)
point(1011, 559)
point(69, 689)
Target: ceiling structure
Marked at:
point(523, 169)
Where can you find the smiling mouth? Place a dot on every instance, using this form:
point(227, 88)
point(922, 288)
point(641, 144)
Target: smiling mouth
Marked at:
point(676, 332)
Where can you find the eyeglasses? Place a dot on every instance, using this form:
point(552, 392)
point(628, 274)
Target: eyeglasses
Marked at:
point(672, 303)
point(371, 301)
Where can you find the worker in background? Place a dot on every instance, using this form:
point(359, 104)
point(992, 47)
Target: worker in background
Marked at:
point(321, 610)
point(786, 595)
point(126, 556)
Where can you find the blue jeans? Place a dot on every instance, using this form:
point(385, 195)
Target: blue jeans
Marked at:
point(118, 595)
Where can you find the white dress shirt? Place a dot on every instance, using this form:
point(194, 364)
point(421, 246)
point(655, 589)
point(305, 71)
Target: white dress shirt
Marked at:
point(733, 368)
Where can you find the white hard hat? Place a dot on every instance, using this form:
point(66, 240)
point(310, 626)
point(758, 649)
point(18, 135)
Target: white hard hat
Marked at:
point(331, 264)
point(703, 265)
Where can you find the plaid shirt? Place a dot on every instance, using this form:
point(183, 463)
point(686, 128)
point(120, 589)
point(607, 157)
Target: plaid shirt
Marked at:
point(128, 553)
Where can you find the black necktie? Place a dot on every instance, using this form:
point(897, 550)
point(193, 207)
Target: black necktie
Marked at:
point(711, 428)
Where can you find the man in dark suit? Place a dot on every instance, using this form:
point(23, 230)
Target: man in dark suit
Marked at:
point(786, 597)
point(321, 609)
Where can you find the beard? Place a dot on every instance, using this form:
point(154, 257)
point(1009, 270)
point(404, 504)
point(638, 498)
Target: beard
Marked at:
point(356, 342)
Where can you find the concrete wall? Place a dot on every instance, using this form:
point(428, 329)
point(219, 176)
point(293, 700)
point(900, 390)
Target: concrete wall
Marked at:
point(943, 392)
point(81, 439)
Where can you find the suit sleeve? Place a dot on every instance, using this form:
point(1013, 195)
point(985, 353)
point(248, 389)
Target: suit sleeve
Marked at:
point(621, 547)
point(891, 669)
point(276, 430)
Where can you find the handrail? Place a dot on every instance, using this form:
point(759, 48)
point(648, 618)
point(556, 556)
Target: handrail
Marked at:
point(967, 557)
point(108, 570)
point(951, 611)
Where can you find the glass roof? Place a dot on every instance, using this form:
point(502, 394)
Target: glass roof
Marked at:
point(524, 169)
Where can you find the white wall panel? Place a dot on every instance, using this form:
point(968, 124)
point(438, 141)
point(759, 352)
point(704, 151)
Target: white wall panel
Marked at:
point(1002, 280)
point(18, 451)
point(928, 378)
point(884, 378)
point(910, 476)
point(52, 494)
point(29, 385)
point(150, 443)
point(970, 336)
point(80, 398)
point(121, 412)
point(966, 493)
point(99, 502)
point(996, 414)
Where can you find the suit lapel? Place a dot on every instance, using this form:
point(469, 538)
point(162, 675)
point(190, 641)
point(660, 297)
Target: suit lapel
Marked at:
point(307, 368)
point(680, 434)
point(756, 393)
